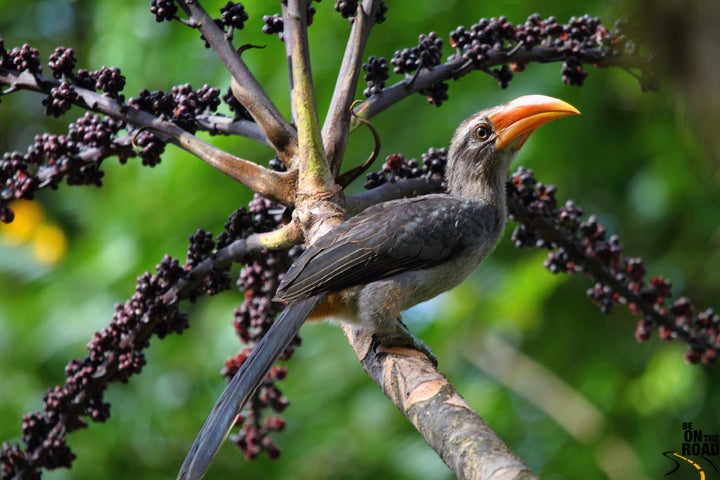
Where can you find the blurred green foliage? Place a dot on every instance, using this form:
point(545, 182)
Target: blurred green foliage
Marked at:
point(632, 158)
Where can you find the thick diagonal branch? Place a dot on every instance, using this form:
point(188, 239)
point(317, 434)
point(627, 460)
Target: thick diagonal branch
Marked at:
point(432, 404)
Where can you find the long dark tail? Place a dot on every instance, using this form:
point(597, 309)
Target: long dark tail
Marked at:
point(242, 386)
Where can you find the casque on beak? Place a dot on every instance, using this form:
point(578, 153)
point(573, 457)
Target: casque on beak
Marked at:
point(517, 119)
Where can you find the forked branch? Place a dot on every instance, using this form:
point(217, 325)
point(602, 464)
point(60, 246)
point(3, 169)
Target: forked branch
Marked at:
point(247, 89)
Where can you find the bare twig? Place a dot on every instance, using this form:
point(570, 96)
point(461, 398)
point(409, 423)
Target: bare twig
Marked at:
point(228, 126)
point(336, 128)
point(245, 86)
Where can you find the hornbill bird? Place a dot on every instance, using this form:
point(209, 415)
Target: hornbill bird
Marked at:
point(392, 256)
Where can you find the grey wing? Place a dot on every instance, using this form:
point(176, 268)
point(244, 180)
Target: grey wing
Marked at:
point(385, 240)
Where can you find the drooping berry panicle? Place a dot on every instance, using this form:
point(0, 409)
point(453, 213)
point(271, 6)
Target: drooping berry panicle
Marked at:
point(75, 157)
point(582, 245)
point(501, 49)
point(116, 352)
point(258, 281)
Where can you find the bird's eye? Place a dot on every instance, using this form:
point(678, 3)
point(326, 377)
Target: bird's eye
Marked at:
point(483, 131)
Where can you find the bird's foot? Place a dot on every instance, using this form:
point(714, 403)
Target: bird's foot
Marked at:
point(402, 337)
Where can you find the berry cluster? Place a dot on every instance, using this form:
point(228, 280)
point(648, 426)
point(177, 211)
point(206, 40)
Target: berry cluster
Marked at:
point(579, 41)
point(111, 358)
point(150, 147)
point(233, 15)
point(397, 167)
point(93, 131)
point(62, 62)
point(164, 10)
point(63, 96)
point(348, 9)
point(258, 281)
point(426, 54)
point(376, 73)
point(110, 81)
point(274, 25)
point(22, 59)
point(60, 100)
point(579, 245)
point(503, 74)
point(201, 247)
point(75, 158)
point(436, 93)
point(239, 111)
point(500, 48)
point(180, 106)
point(13, 459)
point(254, 439)
point(475, 43)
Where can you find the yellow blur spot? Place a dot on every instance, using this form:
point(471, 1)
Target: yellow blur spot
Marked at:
point(28, 215)
point(46, 241)
point(48, 244)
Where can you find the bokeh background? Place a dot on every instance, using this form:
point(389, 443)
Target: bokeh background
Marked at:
point(568, 388)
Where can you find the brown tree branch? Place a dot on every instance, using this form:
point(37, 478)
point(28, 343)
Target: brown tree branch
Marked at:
point(432, 404)
point(410, 187)
point(551, 394)
point(278, 186)
point(228, 126)
point(457, 67)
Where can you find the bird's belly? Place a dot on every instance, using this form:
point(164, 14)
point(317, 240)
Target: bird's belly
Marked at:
point(429, 283)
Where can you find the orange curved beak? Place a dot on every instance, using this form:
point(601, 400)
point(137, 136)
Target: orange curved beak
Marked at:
point(517, 119)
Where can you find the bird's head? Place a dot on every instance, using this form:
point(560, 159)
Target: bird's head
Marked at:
point(485, 144)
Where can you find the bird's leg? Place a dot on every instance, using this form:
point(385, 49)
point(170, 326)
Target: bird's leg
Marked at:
point(401, 336)
point(379, 307)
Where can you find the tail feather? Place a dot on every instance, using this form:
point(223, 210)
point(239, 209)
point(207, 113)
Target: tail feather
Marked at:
point(242, 386)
